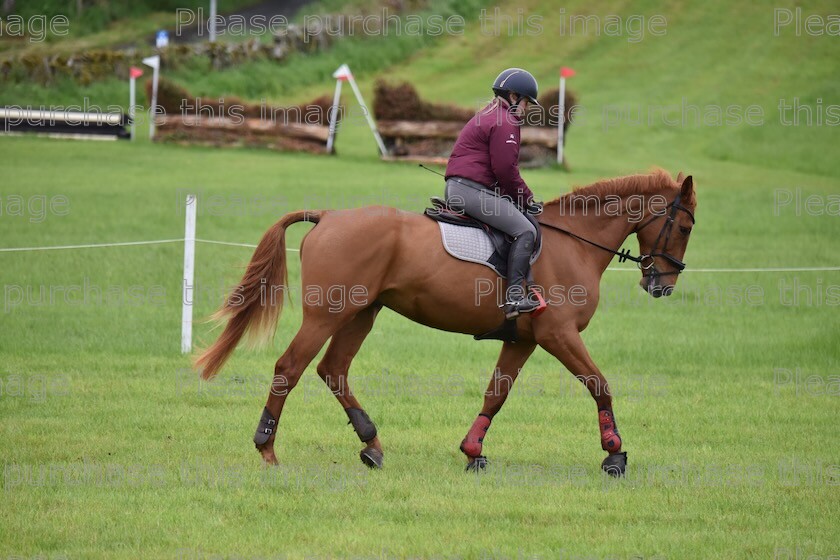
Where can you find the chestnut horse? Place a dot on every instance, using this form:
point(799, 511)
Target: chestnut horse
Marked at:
point(395, 259)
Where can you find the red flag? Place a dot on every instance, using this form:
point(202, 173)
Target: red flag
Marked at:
point(566, 72)
point(135, 72)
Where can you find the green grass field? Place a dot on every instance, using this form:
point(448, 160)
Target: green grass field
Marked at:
point(726, 394)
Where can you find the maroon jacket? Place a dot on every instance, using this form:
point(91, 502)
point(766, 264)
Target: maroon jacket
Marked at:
point(487, 152)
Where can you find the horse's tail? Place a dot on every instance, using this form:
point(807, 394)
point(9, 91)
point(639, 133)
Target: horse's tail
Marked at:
point(254, 306)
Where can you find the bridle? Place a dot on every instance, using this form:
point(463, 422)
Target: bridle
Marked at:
point(647, 262)
point(665, 233)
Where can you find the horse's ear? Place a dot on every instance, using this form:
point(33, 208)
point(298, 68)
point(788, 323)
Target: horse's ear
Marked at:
point(680, 177)
point(687, 186)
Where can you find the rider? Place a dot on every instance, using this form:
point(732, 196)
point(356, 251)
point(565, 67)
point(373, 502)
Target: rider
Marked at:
point(483, 181)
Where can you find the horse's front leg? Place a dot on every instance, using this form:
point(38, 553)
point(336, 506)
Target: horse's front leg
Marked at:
point(511, 359)
point(568, 347)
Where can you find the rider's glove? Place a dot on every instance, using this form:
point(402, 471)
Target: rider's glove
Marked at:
point(534, 207)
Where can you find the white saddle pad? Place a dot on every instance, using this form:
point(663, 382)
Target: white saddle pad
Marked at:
point(470, 244)
point(466, 243)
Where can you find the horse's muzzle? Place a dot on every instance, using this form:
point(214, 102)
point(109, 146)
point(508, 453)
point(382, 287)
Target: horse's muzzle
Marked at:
point(650, 285)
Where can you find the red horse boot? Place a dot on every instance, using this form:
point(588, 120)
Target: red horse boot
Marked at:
point(616, 462)
point(472, 444)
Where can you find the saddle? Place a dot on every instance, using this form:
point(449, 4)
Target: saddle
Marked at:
point(470, 240)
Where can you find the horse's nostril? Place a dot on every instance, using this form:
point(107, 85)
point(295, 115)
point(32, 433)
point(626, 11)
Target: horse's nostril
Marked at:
point(667, 290)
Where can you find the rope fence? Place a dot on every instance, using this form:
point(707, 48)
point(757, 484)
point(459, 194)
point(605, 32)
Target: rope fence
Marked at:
point(125, 244)
point(252, 246)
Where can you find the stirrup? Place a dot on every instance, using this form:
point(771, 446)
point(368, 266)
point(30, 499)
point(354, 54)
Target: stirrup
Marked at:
point(533, 302)
point(514, 309)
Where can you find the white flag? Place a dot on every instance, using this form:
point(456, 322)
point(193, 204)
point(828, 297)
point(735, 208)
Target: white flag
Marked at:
point(153, 61)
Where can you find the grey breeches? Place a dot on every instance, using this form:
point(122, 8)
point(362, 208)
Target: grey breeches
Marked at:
point(488, 207)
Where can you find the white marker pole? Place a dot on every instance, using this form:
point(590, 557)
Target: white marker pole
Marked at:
point(154, 102)
point(154, 62)
point(132, 98)
point(561, 117)
point(565, 72)
point(133, 74)
point(212, 23)
point(334, 115)
point(187, 293)
point(371, 124)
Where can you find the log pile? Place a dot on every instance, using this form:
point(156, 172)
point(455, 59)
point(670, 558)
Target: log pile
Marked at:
point(230, 132)
point(186, 119)
point(415, 130)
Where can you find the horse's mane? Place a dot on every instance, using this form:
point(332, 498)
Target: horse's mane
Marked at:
point(649, 183)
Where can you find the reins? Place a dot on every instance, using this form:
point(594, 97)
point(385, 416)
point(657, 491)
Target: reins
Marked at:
point(623, 255)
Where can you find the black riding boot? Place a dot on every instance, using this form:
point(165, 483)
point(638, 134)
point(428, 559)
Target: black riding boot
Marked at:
point(516, 297)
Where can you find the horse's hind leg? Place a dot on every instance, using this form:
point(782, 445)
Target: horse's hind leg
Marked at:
point(333, 369)
point(568, 347)
point(287, 371)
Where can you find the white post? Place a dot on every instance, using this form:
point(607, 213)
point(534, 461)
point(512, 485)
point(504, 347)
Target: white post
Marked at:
point(132, 89)
point(212, 21)
point(561, 117)
point(187, 293)
point(154, 62)
point(154, 102)
point(334, 116)
point(371, 124)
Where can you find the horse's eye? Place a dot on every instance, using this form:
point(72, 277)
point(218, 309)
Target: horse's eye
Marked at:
point(685, 230)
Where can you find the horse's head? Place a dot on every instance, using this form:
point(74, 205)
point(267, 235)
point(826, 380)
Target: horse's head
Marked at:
point(663, 238)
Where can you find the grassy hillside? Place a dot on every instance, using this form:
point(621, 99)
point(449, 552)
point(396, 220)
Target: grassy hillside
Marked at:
point(713, 54)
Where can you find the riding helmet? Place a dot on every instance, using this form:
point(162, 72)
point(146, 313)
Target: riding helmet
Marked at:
point(519, 81)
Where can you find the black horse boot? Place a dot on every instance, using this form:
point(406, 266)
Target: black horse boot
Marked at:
point(516, 297)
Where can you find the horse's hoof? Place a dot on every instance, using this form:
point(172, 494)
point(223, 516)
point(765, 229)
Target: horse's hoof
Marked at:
point(477, 464)
point(270, 460)
point(615, 464)
point(267, 455)
point(372, 457)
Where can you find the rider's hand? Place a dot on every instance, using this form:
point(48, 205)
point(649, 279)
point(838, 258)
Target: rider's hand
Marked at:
point(534, 207)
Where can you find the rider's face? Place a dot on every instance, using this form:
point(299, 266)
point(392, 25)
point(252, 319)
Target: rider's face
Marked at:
point(522, 106)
